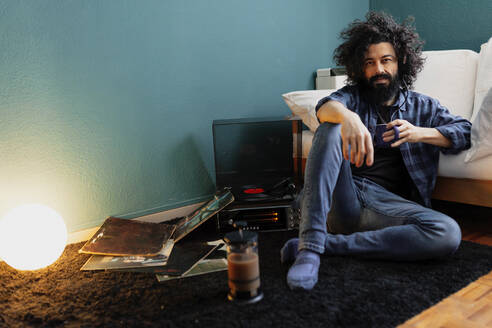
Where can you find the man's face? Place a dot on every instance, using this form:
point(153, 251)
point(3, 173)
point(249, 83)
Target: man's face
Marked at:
point(381, 72)
point(380, 64)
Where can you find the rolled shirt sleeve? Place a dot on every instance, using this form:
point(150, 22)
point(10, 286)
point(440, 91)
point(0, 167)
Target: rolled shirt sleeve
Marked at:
point(455, 128)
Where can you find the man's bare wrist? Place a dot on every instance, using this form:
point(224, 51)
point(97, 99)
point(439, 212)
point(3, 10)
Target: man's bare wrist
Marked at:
point(434, 137)
point(349, 115)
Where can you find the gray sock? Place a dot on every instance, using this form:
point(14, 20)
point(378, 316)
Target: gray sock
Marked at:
point(304, 272)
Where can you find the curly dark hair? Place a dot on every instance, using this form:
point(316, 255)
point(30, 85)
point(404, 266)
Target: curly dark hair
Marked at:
point(380, 27)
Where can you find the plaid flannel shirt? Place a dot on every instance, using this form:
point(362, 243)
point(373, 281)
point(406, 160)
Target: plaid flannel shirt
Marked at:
point(421, 160)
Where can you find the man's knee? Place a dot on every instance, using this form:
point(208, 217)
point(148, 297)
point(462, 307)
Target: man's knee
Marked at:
point(328, 135)
point(449, 237)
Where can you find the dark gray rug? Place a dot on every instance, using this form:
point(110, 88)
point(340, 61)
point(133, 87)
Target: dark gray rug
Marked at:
point(351, 293)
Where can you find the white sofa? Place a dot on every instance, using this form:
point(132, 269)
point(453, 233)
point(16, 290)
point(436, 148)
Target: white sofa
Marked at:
point(462, 81)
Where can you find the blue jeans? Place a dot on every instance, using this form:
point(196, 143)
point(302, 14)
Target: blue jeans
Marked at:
point(343, 214)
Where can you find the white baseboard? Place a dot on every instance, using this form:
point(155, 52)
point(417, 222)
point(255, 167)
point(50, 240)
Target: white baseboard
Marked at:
point(83, 235)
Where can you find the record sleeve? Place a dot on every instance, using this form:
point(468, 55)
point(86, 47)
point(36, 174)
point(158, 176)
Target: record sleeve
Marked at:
point(203, 267)
point(187, 224)
point(124, 237)
point(213, 262)
point(219, 253)
point(185, 256)
point(105, 262)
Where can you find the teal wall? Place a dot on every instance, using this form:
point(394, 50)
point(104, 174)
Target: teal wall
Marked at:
point(444, 24)
point(106, 106)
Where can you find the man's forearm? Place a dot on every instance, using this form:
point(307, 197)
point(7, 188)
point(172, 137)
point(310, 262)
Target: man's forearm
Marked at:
point(333, 112)
point(434, 137)
point(411, 133)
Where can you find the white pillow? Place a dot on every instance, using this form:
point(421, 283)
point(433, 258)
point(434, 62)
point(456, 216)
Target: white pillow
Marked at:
point(484, 76)
point(303, 104)
point(481, 133)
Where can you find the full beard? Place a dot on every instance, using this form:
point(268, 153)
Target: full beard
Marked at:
point(380, 93)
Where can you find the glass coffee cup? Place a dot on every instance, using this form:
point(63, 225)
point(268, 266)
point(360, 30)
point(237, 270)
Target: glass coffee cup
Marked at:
point(243, 267)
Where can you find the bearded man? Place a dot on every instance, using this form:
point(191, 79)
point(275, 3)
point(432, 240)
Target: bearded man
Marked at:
point(374, 201)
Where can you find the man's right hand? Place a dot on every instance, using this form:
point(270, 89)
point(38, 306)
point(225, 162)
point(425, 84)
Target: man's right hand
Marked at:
point(357, 140)
point(355, 135)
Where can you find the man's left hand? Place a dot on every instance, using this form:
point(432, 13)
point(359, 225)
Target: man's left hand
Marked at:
point(408, 132)
point(412, 133)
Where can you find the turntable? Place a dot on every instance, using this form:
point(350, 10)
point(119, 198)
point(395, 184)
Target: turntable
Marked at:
point(254, 158)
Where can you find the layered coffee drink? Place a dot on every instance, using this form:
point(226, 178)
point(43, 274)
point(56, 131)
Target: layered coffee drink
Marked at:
point(243, 267)
point(244, 272)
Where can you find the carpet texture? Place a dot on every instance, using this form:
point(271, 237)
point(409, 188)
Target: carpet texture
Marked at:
point(351, 292)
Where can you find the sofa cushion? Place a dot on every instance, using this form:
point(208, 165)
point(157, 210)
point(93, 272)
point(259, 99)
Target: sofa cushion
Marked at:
point(449, 76)
point(454, 166)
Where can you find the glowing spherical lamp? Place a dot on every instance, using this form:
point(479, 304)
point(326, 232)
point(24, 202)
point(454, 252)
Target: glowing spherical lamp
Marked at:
point(32, 236)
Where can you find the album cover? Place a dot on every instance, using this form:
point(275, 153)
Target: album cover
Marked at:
point(187, 224)
point(213, 262)
point(203, 267)
point(124, 237)
point(185, 256)
point(102, 262)
point(218, 253)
